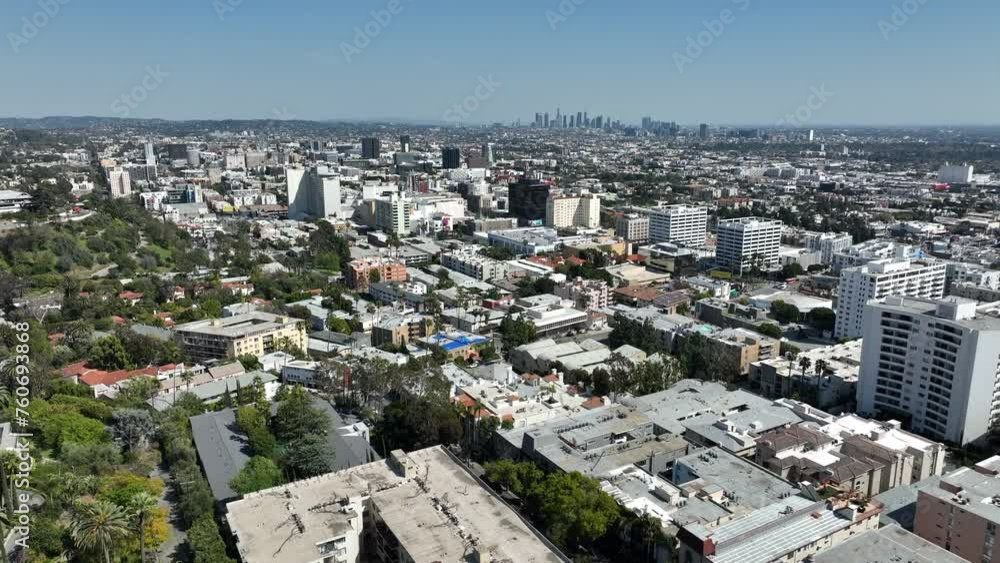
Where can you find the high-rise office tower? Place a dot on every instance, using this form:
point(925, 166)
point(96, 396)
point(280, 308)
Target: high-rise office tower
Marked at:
point(586, 120)
point(527, 200)
point(546, 120)
point(150, 154)
point(119, 182)
point(681, 224)
point(538, 120)
point(882, 278)
point(812, 135)
point(564, 122)
point(747, 243)
point(572, 123)
point(451, 158)
point(934, 363)
point(647, 123)
point(560, 119)
point(487, 152)
point(404, 143)
point(371, 148)
point(579, 119)
point(703, 131)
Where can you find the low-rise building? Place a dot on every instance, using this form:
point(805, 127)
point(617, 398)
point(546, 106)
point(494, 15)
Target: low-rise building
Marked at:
point(252, 334)
point(359, 273)
point(399, 330)
point(829, 378)
point(962, 513)
point(390, 510)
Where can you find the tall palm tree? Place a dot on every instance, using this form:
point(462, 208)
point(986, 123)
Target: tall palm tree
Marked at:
point(96, 526)
point(6, 523)
point(142, 506)
point(820, 369)
point(804, 363)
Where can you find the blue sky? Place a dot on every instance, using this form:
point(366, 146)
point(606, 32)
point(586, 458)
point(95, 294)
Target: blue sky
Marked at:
point(268, 58)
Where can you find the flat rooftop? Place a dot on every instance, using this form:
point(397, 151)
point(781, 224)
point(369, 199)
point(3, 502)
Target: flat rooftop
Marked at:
point(979, 484)
point(437, 512)
point(890, 544)
point(238, 325)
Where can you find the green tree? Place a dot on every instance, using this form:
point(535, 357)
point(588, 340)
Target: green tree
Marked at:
point(142, 507)
point(516, 332)
point(249, 362)
point(132, 428)
point(308, 456)
point(206, 542)
point(770, 329)
point(108, 353)
point(97, 526)
point(784, 313)
point(297, 417)
point(259, 473)
point(512, 476)
point(337, 324)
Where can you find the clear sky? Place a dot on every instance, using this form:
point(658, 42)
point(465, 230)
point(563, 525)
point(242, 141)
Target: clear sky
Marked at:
point(286, 58)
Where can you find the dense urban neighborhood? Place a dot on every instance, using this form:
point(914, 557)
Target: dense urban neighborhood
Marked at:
point(569, 340)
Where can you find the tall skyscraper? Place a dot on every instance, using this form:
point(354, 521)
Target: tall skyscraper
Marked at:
point(119, 182)
point(546, 120)
point(703, 131)
point(404, 143)
point(527, 200)
point(371, 148)
point(586, 120)
point(812, 135)
point(564, 122)
point(538, 120)
point(746, 243)
point(487, 152)
point(572, 123)
point(934, 363)
point(882, 278)
point(451, 158)
point(150, 154)
point(579, 119)
point(681, 224)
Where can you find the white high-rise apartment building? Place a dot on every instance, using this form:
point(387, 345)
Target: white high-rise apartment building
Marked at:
point(955, 174)
point(312, 193)
point(879, 279)
point(392, 214)
point(120, 182)
point(828, 244)
point(935, 362)
point(150, 154)
point(680, 224)
point(748, 242)
point(564, 211)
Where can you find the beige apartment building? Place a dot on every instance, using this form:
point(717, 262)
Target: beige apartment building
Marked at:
point(254, 333)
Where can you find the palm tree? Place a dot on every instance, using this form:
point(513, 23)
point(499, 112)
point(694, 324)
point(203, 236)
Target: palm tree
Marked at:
point(820, 369)
point(142, 507)
point(804, 363)
point(791, 360)
point(96, 526)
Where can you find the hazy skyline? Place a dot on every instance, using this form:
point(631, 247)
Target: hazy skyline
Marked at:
point(251, 59)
